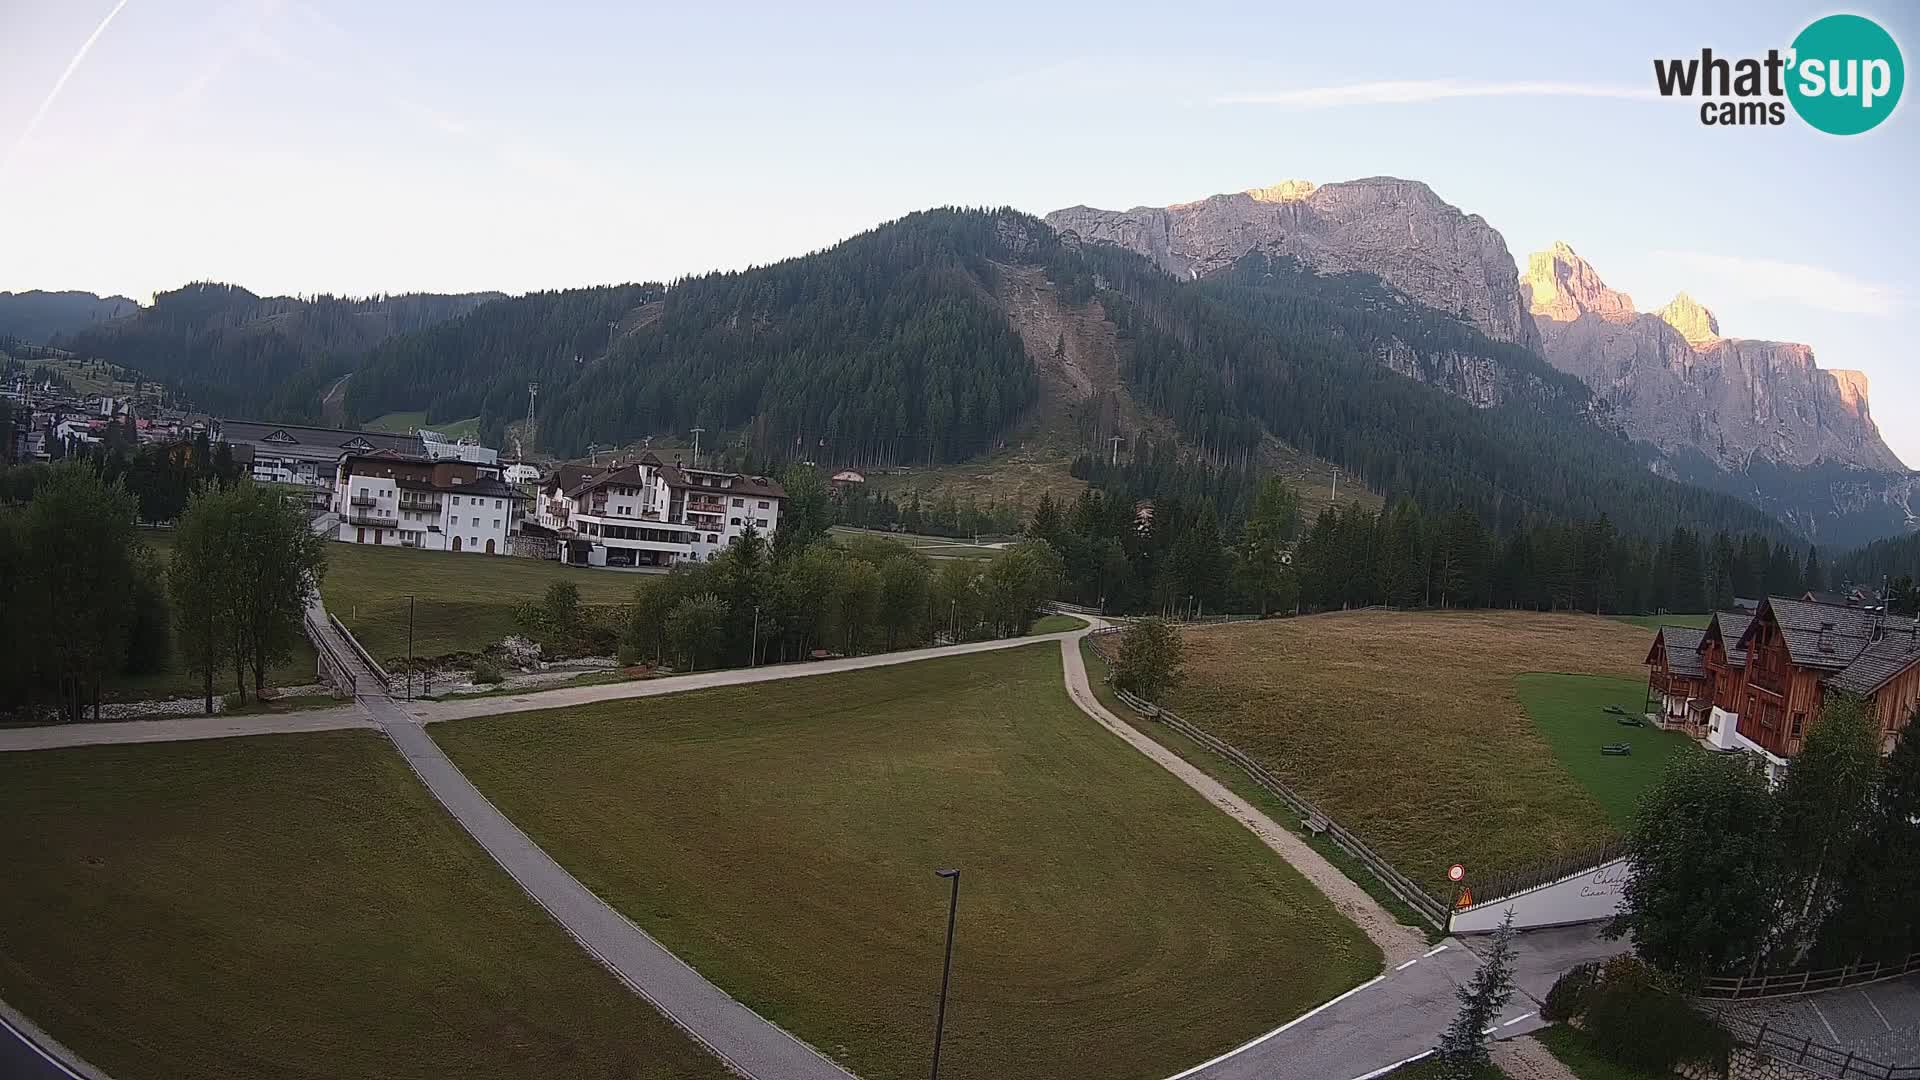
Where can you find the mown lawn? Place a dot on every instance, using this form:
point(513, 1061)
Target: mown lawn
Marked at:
point(1654, 622)
point(1569, 711)
point(462, 603)
point(291, 906)
point(1405, 726)
point(1056, 624)
point(407, 422)
point(783, 838)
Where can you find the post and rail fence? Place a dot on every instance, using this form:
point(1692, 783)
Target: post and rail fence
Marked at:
point(1784, 984)
point(1430, 908)
point(333, 668)
point(1803, 1053)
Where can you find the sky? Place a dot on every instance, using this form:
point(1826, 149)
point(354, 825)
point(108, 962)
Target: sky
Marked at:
point(367, 146)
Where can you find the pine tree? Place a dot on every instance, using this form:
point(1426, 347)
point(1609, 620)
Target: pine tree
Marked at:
point(1463, 1049)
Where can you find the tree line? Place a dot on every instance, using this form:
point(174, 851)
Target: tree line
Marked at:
point(89, 601)
point(159, 476)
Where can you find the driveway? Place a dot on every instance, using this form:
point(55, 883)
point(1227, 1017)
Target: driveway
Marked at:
point(1879, 1021)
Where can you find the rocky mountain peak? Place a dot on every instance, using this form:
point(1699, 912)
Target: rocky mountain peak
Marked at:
point(1562, 286)
point(1397, 230)
point(1283, 192)
point(1692, 319)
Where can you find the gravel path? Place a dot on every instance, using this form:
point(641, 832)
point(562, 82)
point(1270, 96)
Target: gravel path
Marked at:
point(1527, 1058)
point(1396, 940)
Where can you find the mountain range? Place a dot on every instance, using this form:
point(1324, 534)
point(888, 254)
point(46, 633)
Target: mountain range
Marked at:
point(1364, 328)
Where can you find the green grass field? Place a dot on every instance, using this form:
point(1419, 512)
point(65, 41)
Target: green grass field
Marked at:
point(407, 422)
point(1056, 624)
point(1405, 726)
point(291, 906)
point(1576, 1051)
point(1654, 622)
point(935, 547)
point(1568, 710)
point(462, 603)
point(782, 839)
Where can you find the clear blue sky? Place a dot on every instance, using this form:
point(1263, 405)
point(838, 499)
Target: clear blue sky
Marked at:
point(357, 146)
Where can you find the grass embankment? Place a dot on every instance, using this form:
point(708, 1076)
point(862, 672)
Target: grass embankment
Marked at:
point(1576, 1051)
point(1407, 729)
point(782, 838)
point(462, 603)
point(1237, 781)
point(405, 423)
point(290, 906)
point(1570, 712)
point(1056, 624)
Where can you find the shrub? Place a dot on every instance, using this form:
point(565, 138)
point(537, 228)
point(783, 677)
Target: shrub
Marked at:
point(1571, 993)
point(487, 673)
point(1634, 1018)
point(1150, 659)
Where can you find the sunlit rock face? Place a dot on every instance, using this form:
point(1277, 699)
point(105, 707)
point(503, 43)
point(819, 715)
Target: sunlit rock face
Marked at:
point(1397, 230)
point(1672, 380)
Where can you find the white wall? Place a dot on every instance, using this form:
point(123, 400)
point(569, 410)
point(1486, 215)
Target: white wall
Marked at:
point(1588, 896)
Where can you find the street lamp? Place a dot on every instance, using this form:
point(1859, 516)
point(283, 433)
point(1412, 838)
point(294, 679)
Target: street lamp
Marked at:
point(946, 970)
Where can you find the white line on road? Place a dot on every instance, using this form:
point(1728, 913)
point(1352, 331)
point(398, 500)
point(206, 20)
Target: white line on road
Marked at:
point(35, 1047)
point(1823, 1020)
point(1516, 1019)
point(1308, 1015)
point(1408, 964)
point(1876, 1009)
point(1435, 951)
point(1395, 1065)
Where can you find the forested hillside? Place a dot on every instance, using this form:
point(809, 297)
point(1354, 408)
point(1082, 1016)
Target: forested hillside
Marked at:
point(886, 348)
point(232, 352)
point(38, 317)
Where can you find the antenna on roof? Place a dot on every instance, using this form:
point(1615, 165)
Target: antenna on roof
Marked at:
point(696, 446)
point(533, 391)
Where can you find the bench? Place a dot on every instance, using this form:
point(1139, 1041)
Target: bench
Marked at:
point(1618, 749)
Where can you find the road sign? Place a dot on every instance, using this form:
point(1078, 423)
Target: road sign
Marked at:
point(1456, 872)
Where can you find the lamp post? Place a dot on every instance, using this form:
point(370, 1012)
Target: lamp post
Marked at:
point(409, 647)
point(753, 654)
point(946, 969)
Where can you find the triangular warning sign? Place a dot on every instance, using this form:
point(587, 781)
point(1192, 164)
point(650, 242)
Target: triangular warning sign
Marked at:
point(1466, 898)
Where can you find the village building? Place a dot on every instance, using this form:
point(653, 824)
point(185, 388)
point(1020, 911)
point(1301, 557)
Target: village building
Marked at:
point(647, 513)
point(391, 499)
point(1765, 675)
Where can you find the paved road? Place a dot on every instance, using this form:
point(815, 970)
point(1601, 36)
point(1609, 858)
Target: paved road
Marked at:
point(26, 1053)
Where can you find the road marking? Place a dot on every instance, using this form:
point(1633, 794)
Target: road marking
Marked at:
point(1435, 951)
point(1308, 1015)
point(1395, 1065)
point(1516, 1019)
point(1824, 1020)
point(35, 1047)
point(1408, 964)
point(1876, 1009)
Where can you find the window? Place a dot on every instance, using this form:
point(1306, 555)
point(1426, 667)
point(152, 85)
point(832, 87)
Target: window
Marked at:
point(456, 500)
point(734, 521)
point(476, 523)
point(761, 523)
point(712, 539)
point(473, 541)
point(739, 502)
point(496, 523)
point(763, 504)
point(1798, 720)
point(496, 504)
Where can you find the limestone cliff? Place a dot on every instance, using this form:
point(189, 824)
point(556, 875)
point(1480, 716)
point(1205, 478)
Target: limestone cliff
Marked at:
point(1673, 381)
point(1397, 230)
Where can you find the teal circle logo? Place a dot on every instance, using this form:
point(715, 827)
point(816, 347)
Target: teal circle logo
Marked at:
point(1846, 75)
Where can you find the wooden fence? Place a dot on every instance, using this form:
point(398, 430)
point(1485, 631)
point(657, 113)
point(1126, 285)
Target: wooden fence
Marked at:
point(1428, 907)
point(1814, 1057)
point(1807, 982)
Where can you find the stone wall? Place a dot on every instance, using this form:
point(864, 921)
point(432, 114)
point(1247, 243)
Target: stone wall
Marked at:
point(1748, 1065)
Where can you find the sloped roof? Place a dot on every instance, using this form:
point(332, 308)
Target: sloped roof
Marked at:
point(1730, 627)
point(1879, 664)
point(336, 440)
point(628, 474)
point(1682, 647)
point(1821, 635)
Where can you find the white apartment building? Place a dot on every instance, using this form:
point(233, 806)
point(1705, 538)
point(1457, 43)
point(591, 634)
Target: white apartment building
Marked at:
point(402, 500)
point(649, 513)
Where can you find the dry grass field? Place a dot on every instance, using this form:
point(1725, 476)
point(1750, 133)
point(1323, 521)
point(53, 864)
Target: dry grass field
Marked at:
point(1406, 726)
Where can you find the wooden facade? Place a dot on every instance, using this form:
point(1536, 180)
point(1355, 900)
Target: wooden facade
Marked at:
point(1781, 696)
point(1724, 663)
point(1897, 703)
point(1676, 678)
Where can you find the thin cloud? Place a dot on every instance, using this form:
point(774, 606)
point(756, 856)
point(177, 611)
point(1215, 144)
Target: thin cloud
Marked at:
point(1798, 283)
point(1417, 91)
point(59, 84)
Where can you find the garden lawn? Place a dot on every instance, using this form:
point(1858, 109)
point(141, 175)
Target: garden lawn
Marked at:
point(782, 838)
point(1405, 727)
point(1057, 624)
point(1654, 622)
point(1569, 711)
point(1576, 1051)
point(462, 602)
point(296, 907)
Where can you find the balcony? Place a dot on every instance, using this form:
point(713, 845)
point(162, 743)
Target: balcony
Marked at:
point(373, 518)
point(364, 499)
point(428, 506)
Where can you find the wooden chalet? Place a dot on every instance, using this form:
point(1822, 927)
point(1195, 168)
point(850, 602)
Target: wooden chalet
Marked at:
point(1677, 676)
point(1766, 673)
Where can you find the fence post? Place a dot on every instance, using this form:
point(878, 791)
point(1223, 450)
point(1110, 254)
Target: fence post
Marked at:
point(1806, 1044)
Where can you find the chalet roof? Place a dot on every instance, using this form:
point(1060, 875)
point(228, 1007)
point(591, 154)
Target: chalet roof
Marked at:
point(567, 476)
point(1879, 664)
point(758, 487)
point(627, 474)
point(301, 438)
point(1731, 629)
point(1681, 645)
point(1833, 599)
point(1820, 635)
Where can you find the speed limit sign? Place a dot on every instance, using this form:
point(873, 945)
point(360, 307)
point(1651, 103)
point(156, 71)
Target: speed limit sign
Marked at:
point(1456, 872)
